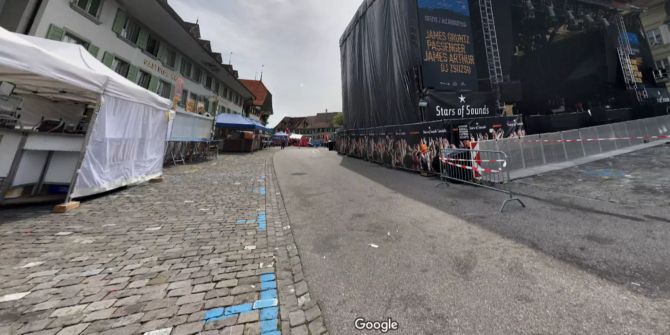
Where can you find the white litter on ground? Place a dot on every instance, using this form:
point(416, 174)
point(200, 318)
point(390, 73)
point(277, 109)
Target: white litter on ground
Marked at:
point(164, 331)
point(13, 296)
point(373, 245)
point(250, 247)
point(32, 264)
point(64, 233)
point(153, 228)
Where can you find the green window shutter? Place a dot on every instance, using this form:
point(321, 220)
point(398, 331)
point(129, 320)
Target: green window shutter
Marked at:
point(93, 50)
point(119, 21)
point(55, 33)
point(153, 84)
point(108, 59)
point(143, 39)
point(132, 73)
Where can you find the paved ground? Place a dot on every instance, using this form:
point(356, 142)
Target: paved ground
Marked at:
point(206, 251)
point(379, 243)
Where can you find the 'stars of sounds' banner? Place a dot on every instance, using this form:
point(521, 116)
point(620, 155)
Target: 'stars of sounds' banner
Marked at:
point(447, 45)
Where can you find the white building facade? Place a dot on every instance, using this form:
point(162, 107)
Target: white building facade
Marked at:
point(145, 41)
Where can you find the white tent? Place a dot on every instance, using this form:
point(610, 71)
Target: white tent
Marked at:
point(125, 141)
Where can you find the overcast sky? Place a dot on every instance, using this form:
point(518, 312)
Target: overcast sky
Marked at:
point(297, 40)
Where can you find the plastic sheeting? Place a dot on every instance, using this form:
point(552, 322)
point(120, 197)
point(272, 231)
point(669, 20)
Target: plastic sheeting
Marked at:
point(236, 121)
point(186, 127)
point(127, 145)
point(380, 54)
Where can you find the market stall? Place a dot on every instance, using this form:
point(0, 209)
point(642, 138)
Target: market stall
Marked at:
point(240, 134)
point(69, 126)
point(280, 138)
point(189, 138)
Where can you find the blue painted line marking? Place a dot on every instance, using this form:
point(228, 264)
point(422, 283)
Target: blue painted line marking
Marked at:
point(269, 294)
point(268, 305)
point(221, 313)
point(269, 313)
point(265, 303)
point(268, 285)
point(274, 332)
point(214, 313)
point(239, 309)
point(241, 221)
point(268, 326)
point(267, 277)
point(261, 221)
point(251, 221)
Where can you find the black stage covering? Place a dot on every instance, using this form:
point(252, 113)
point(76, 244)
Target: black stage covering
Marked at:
point(396, 53)
point(380, 54)
point(413, 61)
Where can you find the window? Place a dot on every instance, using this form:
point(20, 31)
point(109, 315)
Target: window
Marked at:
point(144, 79)
point(170, 57)
point(654, 37)
point(206, 102)
point(197, 75)
point(208, 81)
point(131, 31)
point(164, 89)
point(153, 45)
point(91, 7)
point(120, 66)
point(69, 38)
point(186, 68)
point(184, 97)
point(193, 97)
point(663, 63)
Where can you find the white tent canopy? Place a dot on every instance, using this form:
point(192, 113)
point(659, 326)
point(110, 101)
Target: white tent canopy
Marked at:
point(127, 139)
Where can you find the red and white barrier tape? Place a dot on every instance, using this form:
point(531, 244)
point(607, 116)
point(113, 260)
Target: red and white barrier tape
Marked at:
point(476, 161)
point(467, 167)
point(659, 137)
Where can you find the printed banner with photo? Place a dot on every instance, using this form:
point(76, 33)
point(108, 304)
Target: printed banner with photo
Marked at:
point(417, 147)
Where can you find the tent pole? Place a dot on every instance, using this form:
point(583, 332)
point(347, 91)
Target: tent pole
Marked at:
point(82, 154)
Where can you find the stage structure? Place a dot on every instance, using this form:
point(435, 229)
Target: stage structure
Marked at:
point(423, 74)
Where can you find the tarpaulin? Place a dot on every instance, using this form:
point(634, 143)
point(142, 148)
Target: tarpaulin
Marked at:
point(380, 54)
point(395, 54)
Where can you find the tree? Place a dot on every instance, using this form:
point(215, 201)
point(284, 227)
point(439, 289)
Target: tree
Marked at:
point(339, 119)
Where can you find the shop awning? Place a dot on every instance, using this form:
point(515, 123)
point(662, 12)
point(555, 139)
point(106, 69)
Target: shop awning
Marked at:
point(236, 121)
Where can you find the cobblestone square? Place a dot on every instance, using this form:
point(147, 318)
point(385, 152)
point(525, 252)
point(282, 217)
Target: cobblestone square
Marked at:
point(209, 251)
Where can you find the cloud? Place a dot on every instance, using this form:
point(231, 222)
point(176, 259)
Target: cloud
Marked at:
point(296, 40)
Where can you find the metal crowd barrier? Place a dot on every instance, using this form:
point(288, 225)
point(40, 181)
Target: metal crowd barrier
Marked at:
point(567, 146)
point(481, 168)
point(190, 151)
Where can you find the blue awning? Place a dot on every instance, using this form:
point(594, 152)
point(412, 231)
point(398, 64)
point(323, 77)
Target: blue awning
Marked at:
point(237, 121)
